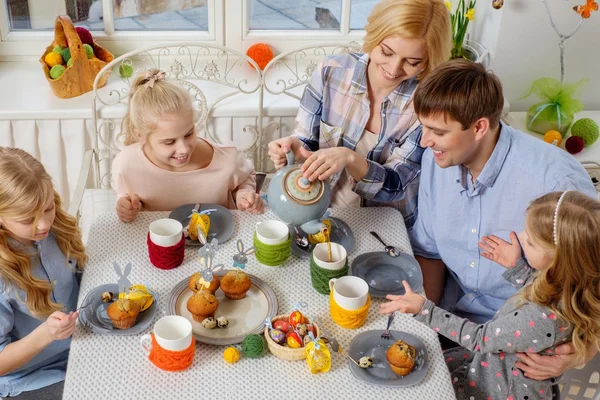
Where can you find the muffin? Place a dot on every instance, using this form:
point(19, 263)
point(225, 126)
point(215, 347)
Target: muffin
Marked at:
point(123, 313)
point(202, 304)
point(401, 357)
point(195, 286)
point(235, 284)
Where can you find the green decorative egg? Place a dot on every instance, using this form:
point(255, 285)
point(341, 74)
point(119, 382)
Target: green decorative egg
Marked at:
point(57, 71)
point(88, 50)
point(66, 55)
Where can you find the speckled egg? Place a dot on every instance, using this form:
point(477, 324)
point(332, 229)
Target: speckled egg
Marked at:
point(365, 362)
point(107, 296)
point(302, 329)
point(209, 323)
point(278, 336)
point(222, 322)
point(306, 339)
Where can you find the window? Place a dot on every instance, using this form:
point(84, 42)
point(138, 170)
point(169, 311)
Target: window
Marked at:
point(127, 15)
point(26, 26)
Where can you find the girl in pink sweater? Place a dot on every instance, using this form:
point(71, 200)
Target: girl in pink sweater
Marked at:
point(165, 165)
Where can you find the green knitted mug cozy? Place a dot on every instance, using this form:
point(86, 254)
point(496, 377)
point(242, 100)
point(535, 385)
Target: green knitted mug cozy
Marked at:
point(320, 276)
point(272, 254)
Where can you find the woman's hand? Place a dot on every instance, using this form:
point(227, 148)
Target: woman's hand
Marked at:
point(249, 201)
point(278, 148)
point(500, 251)
point(128, 207)
point(323, 163)
point(410, 302)
point(60, 326)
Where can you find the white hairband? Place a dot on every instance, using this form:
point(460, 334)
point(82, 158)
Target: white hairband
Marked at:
point(560, 199)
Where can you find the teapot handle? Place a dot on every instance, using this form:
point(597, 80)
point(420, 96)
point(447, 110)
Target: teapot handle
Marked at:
point(290, 158)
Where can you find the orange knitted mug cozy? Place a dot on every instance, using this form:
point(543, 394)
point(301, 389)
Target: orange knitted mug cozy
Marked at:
point(171, 360)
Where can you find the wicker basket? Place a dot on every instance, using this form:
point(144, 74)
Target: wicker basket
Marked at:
point(283, 352)
point(78, 78)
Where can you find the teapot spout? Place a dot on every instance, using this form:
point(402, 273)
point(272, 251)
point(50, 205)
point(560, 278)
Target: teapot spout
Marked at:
point(312, 227)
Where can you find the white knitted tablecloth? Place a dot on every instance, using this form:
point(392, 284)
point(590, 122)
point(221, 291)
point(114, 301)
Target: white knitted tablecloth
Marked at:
point(104, 366)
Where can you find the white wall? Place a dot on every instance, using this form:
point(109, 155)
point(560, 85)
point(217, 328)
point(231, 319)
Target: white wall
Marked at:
point(524, 47)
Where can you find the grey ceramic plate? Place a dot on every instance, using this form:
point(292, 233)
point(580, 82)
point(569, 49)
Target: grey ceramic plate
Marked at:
point(245, 316)
point(221, 221)
point(371, 344)
point(340, 233)
point(95, 318)
point(384, 274)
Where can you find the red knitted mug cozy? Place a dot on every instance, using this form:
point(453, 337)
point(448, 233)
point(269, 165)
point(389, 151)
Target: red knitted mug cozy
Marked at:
point(166, 257)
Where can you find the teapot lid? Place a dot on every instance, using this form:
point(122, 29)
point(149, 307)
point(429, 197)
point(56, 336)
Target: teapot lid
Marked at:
point(300, 190)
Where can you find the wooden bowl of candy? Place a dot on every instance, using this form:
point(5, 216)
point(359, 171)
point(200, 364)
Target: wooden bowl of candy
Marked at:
point(289, 334)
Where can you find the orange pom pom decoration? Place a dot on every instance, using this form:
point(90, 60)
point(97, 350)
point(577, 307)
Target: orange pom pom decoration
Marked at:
point(551, 136)
point(261, 54)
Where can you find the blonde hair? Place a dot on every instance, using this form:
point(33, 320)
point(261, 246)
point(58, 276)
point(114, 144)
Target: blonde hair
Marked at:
point(412, 19)
point(24, 189)
point(147, 104)
point(570, 287)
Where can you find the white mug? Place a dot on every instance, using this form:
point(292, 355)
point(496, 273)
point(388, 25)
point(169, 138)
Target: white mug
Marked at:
point(272, 232)
point(166, 232)
point(338, 256)
point(349, 292)
point(172, 332)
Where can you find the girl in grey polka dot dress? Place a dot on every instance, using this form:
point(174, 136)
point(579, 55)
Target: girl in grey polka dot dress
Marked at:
point(559, 301)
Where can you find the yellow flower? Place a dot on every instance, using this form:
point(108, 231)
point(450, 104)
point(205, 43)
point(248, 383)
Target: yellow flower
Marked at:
point(448, 5)
point(470, 14)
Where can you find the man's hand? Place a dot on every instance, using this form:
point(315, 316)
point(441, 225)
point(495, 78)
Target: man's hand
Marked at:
point(128, 207)
point(540, 367)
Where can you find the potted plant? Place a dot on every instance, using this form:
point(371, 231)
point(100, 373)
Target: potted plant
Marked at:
point(459, 19)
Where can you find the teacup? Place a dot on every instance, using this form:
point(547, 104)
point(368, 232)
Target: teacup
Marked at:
point(338, 256)
point(172, 333)
point(272, 232)
point(349, 292)
point(166, 232)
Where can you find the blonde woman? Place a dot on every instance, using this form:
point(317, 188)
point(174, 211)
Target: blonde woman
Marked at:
point(356, 125)
point(559, 302)
point(40, 250)
point(165, 165)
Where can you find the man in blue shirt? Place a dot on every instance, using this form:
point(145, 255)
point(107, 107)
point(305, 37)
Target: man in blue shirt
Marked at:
point(478, 177)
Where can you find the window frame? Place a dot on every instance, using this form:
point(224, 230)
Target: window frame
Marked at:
point(30, 45)
point(240, 36)
point(228, 25)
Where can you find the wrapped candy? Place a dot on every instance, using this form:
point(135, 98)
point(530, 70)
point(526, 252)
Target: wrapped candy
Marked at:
point(198, 221)
point(558, 106)
point(318, 357)
point(296, 318)
point(294, 340)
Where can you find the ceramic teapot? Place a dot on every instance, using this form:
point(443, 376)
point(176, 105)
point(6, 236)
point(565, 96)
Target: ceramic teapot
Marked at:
point(296, 200)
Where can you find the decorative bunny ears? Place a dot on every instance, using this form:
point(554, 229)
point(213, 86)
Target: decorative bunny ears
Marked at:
point(241, 258)
point(123, 283)
point(209, 269)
